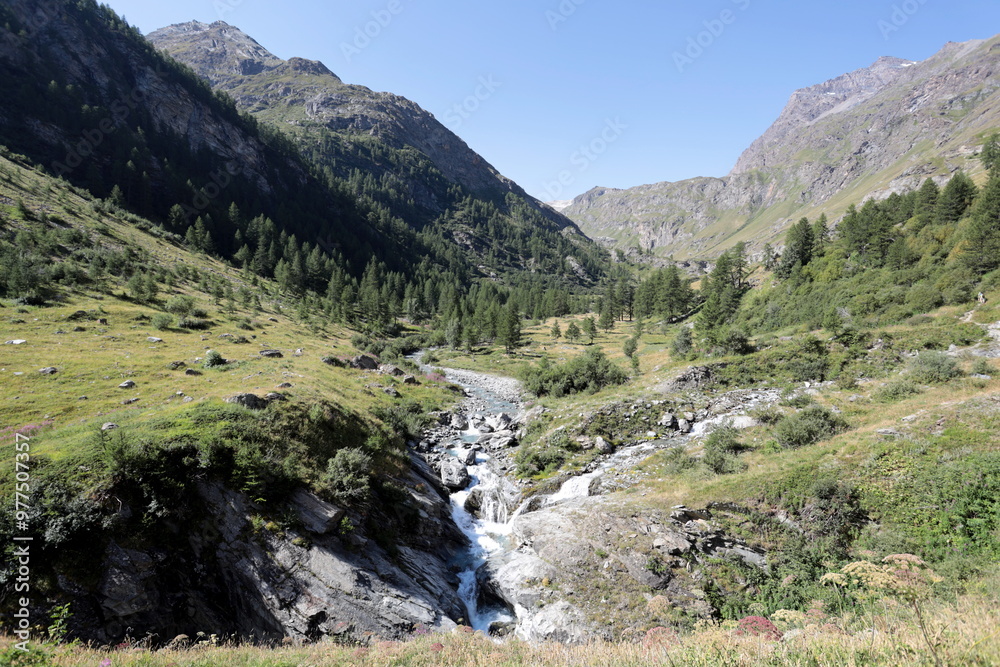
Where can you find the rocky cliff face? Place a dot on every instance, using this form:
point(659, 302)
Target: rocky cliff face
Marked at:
point(118, 80)
point(316, 574)
point(877, 130)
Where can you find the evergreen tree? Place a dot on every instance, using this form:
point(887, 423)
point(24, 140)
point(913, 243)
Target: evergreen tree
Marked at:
point(606, 320)
point(982, 251)
point(573, 332)
point(509, 333)
point(590, 329)
point(956, 198)
point(556, 331)
point(990, 154)
point(798, 248)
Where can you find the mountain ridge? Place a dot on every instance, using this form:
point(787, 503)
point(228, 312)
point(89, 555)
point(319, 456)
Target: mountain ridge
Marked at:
point(877, 130)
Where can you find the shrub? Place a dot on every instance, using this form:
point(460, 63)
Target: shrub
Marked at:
point(193, 323)
point(213, 359)
point(923, 298)
point(813, 424)
point(162, 321)
point(682, 343)
point(587, 373)
point(895, 390)
point(933, 367)
point(180, 305)
point(981, 367)
point(347, 479)
point(721, 449)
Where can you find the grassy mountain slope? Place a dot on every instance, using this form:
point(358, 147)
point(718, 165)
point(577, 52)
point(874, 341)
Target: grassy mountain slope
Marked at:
point(124, 384)
point(878, 130)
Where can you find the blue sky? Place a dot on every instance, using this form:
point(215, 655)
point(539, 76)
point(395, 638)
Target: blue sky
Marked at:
point(565, 95)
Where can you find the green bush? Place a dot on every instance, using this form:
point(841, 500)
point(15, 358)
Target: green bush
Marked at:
point(589, 373)
point(213, 359)
point(347, 478)
point(933, 367)
point(180, 305)
point(895, 390)
point(193, 323)
point(722, 448)
point(162, 321)
point(682, 343)
point(809, 426)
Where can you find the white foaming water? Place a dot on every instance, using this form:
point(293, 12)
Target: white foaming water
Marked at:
point(488, 536)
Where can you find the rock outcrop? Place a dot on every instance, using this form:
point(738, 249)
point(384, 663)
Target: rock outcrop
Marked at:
point(318, 574)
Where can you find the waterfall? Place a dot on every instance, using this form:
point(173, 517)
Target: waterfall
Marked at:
point(496, 495)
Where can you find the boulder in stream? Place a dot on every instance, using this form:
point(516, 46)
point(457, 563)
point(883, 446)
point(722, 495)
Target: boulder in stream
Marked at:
point(454, 474)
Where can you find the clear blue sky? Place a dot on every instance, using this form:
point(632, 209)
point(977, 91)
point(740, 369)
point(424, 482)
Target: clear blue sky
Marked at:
point(536, 80)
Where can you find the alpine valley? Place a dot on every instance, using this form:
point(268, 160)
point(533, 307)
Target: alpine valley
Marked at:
point(292, 376)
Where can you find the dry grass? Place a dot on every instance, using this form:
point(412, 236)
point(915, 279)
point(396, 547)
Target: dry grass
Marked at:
point(965, 633)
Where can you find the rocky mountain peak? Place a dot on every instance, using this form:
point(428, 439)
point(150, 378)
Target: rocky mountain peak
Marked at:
point(847, 136)
point(220, 52)
point(810, 105)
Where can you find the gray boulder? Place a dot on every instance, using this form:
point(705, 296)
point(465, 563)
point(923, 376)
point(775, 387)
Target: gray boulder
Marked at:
point(454, 474)
point(251, 401)
point(364, 362)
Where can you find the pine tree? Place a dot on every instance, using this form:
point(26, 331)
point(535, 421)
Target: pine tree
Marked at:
point(982, 252)
point(509, 333)
point(990, 154)
point(573, 332)
point(798, 248)
point(590, 329)
point(607, 319)
point(556, 331)
point(955, 200)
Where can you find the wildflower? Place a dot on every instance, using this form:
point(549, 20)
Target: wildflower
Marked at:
point(758, 626)
point(106, 662)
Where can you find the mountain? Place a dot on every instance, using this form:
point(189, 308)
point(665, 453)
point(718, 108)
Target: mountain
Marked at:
point(302, 93)
point(361, 135)
point(874, 131)
point(86, 95)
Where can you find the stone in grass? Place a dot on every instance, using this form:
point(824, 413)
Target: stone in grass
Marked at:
point(271, 354)
point(154, 339)
point(127, 384)
point(285, 385)
point(130, 401)
point(192, 372)
point(48, 370)
point(392, 391)
point(250, 401)
point(176, 365)
point(110, 426)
